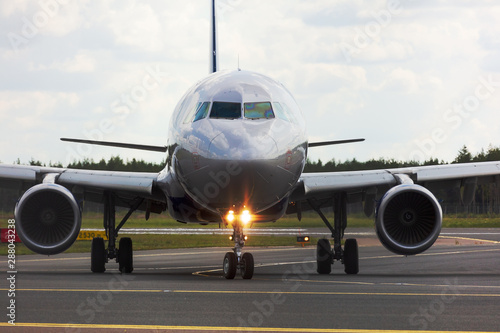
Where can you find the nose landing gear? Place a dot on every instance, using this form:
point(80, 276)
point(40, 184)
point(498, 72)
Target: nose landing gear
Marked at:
point(234, 261)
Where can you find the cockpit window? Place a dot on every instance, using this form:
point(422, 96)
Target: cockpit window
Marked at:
point(226, 110)
point(280, 113)
point(202, 111)
point(259, 110)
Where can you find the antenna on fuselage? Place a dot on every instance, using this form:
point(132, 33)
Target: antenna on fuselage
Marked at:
point(214, 59)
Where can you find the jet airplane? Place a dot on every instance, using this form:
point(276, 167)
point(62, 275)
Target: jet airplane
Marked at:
point(236, 151)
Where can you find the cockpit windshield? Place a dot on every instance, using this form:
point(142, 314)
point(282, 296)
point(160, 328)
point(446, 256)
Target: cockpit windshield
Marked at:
point(262, 110)
point(202, 111)
point(226, 110)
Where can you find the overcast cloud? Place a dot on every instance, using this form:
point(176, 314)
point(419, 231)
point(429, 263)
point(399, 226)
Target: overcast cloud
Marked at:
point(417, 79)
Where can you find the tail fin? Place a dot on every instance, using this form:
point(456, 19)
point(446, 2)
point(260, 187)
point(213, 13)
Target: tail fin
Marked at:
point(214, 59)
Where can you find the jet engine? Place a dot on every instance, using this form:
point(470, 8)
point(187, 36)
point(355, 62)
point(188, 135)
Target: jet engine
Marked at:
point(408, 219)
point(48, 218)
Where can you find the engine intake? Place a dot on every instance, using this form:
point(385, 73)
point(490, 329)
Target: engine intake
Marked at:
point(408, 219)
point(48, 218)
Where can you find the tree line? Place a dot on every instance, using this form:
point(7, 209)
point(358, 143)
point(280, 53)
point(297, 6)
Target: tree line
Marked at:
point(116, 163)
point(463, 156)
point(487, 196)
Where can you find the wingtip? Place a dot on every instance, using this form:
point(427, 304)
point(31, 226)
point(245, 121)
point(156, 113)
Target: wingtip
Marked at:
point(337, 142)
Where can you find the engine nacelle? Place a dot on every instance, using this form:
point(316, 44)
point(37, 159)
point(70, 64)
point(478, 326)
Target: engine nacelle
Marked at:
point(48, 218)
point(408, 219)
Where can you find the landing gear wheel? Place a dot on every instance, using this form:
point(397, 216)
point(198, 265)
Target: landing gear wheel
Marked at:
point(351, 257)
point(229, 265)
point(324, 256)
point(97, 255)
point(247, 266)
point(125, 255)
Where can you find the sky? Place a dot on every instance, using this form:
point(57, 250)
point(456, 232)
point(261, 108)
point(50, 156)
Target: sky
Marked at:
point(416, 79)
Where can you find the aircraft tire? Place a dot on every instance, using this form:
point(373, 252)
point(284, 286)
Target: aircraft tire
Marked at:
point(125, 255)
point(351, 256)
point(247, 265)
point(324, 257)
point(229, 265)
point(97, 255)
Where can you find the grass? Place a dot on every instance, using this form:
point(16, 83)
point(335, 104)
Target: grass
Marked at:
point(471, 222)
point(153, 242)
point(149, 242)
point(309, 220)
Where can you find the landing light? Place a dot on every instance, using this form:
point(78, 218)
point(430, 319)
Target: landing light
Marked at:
point(244, 238)
point(245, 217)
point(230, 216)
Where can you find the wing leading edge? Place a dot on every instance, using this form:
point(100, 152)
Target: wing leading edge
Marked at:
point(327, 182)
point(133, 182)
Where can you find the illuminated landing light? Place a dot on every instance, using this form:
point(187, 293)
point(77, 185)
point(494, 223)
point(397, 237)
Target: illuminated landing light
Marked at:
point(303, 239)
point(230, 216)
point(245, 217)
point(244, 238)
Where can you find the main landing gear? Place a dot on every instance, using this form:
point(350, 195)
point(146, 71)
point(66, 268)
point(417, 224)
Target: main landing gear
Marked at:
point(99, 255)
point(234, 261)
point(325, 255)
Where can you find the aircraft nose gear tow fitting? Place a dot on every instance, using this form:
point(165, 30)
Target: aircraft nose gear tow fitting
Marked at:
point(235, 260)
point(325, 255)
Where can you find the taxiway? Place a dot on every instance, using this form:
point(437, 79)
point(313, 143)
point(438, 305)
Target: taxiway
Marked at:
point(454, 286)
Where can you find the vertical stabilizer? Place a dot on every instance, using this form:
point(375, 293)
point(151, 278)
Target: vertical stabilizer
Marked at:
point(214, 59)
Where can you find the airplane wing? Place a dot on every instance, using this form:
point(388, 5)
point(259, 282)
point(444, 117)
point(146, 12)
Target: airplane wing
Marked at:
point(89, 183)
point(408, 200)
point(48, 214)
point(312, 184)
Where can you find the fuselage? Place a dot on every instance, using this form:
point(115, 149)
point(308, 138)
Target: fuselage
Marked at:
point(237, 140)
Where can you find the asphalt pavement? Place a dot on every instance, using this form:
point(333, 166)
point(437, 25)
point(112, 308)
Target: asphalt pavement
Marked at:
point(454, 286)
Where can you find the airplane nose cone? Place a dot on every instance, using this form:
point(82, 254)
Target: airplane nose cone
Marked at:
point(243, 166)
point(243, 145)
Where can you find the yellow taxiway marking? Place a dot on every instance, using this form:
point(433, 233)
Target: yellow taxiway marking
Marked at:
point(471, 239)
point(254, 292)
point(218, 328)
point(432, 254)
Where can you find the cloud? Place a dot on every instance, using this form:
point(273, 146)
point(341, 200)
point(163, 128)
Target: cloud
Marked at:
point(429, 56)
point(80, 63)
point(402, 80)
